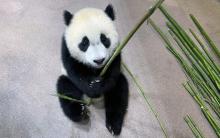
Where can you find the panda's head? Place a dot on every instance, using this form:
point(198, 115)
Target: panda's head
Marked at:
point(91, 36)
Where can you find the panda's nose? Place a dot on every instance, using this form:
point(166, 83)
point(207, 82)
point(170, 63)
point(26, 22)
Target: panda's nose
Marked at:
point(99, 61)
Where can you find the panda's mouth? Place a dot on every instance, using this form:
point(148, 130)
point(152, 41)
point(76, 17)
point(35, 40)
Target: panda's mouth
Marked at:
point(99, 61)
point(99, 66)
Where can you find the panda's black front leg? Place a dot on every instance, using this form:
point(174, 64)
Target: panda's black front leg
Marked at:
point(116, 102)
point(73, 110)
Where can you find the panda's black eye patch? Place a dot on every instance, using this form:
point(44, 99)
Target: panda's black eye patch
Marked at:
point(106, 41)
point(84, 44)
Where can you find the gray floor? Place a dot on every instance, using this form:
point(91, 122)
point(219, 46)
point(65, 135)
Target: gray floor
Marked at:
point(30, 63)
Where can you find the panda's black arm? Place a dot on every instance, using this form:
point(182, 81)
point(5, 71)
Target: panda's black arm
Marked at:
point(71, 65)
point(112, 74)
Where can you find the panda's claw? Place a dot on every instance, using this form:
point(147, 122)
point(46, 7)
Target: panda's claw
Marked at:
point(110, 129)
point(114, 128)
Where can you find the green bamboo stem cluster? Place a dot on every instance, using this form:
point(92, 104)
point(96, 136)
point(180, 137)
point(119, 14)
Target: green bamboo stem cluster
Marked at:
point(194, 128)
point(198, 65)
point(198, 98)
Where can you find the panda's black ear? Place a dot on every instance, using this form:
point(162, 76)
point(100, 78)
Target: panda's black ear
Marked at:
point(67, 17)
point(110, 12)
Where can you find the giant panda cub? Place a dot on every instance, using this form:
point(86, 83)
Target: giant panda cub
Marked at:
point(89, 41)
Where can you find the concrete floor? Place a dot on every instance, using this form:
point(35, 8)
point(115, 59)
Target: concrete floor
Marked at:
point(30, 64)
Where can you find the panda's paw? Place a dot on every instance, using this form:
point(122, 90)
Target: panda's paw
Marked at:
point(95, 81)
point(114, 127)
point(84, 116)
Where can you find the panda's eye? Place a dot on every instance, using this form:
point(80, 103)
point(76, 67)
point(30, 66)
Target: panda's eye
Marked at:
point(106, 41)
point(84, 44)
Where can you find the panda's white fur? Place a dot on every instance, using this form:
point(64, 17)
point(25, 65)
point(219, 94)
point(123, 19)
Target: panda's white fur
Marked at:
point(91, 22)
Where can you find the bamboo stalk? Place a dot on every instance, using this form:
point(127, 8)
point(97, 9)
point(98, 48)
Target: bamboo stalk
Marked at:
point(159, 31)
point(193, 127)
point(71, 99)
point(132, 32)
point(205, 36)
point(201, 45)
point(141, 90)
